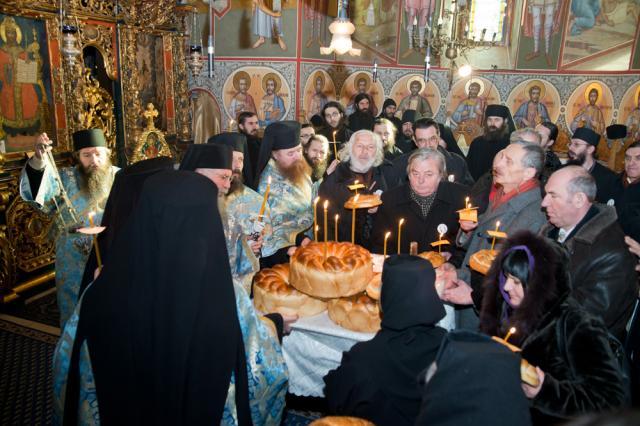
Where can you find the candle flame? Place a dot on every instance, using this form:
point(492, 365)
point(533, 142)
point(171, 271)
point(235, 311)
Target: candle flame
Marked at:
point(315, 201)
point(326, 204)
point(336, 217)
point(334, 134)
point(401, 222)
point(269, 180)
point(317, 227)
point(356, 182)
point(92, 214)
point(387, 235)
point(512, 330)
point(497, 224)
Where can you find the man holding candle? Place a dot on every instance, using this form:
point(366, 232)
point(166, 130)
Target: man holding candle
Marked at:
point(426, 134)
point(291, 191)
point(335, 128)
point(515, 203)
point(498, 125)
point(362, 160)
point(215, 161)
point(425, 201)
point(87, 185)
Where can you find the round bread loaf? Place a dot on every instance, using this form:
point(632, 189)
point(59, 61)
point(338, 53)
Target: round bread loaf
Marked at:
point(365, 201)
point(481, 260)
point(434, 257)
point(272, 293)
point(357, 313)
point(374, 286)
point(345, 271)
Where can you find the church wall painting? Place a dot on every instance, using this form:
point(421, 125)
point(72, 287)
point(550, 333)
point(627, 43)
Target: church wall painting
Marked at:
point(262, 90)
point(318, 90)
point(414, 16)
point(465, 106)
point(412, 93)
point(540, 38)
point(263, 28)
point(376, 23)
point(25, 83)
point(629, 111)
point(595, 27)
point(534, 101)
point(361, 82)
point(149, 59)
point(315, 27)
point(590, 105)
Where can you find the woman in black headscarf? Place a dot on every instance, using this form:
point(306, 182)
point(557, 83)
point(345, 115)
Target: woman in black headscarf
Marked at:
point(161, 337)
point(377, 380)
point(528, 287)
point(123, 197)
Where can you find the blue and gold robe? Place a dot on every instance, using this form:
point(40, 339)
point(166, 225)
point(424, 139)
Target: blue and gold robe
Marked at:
point(291, 209)
point(242, 208)
point(72, 249)
point(266, 371)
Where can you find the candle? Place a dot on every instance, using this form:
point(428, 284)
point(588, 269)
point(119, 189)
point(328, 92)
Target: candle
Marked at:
point(512, 330)
point(266, 196)
point(326, 205)
point(95, 242)
point(353, 219)
point(400, 233)
point(335, 146)
point(386, 237)
point(440, 239)
point(493, 241)
point(315, 218)
point(466, 203)
point(355, 183)
point(335, 227)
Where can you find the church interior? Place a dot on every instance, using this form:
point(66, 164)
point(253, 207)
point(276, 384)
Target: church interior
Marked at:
point(164, 78)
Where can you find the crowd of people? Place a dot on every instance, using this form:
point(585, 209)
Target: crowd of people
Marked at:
point(156, 314)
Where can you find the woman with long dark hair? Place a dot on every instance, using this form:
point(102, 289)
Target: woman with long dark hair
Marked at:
point(528, 288)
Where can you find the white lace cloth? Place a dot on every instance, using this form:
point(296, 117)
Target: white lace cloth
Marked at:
point(315, 347)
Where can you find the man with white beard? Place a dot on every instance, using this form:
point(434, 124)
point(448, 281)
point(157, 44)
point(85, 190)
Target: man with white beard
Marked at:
point(87, 185)
point(360, 159)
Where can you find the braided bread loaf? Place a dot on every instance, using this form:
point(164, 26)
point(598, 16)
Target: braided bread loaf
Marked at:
point(346, 270)
point(272, 293)
point(365, 201)
point(358, 313)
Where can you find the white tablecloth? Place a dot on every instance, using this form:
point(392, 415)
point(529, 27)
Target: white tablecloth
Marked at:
point(315, 347)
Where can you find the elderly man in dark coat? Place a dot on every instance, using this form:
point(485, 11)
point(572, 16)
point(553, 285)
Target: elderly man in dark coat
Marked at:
point(602, 269)
point(362, 159)
point(424, 202)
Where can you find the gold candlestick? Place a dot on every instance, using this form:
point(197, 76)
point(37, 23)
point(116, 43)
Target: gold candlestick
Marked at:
point(335, 227)
point(400, 233)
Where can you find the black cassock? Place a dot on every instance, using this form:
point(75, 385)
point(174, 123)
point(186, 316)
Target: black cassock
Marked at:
point(481, 153)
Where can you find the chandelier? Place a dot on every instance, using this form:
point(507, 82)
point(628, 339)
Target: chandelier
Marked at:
point(341, 29)
point(455, 42)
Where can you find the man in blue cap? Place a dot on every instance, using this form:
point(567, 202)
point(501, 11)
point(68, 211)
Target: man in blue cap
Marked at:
point(87, 185)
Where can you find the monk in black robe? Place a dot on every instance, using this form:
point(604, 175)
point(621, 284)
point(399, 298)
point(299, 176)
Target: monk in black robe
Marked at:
point(497, 128)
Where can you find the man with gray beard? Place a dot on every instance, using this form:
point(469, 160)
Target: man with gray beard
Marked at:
point(361, 159)
point(87, 185)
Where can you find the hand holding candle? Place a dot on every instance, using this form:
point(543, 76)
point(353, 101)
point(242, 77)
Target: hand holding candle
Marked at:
point(266, 196)
point(400, 223)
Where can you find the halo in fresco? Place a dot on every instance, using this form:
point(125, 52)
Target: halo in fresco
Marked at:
point(580, 112)
point(361, 82)
point(629, 111)
point(318, 90)
point(466, 102)
point(246, 90)
point(527, 109)
point(401, 93)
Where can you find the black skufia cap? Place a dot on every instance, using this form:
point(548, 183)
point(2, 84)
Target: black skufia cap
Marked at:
point(617, 131)
point(408, 116)
point(587, 135)
point(207, 156)
point(278, 135)
point(89, 138)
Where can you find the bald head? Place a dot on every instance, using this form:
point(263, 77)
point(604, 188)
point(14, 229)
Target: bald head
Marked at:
point(570, 193)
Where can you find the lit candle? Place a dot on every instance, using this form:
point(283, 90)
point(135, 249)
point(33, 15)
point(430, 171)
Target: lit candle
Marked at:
point(335, 227)
point(386, 237)
point(353, 219)
point(466, 203)
point(439, 240)
point(231, 122)
point(355, 183)
point(315, 219)
point(400, 233)
point(326, 228)
point(335, 146)
point(266, 196)
point(95, 242)
point(493, 241)
point(511, 331)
